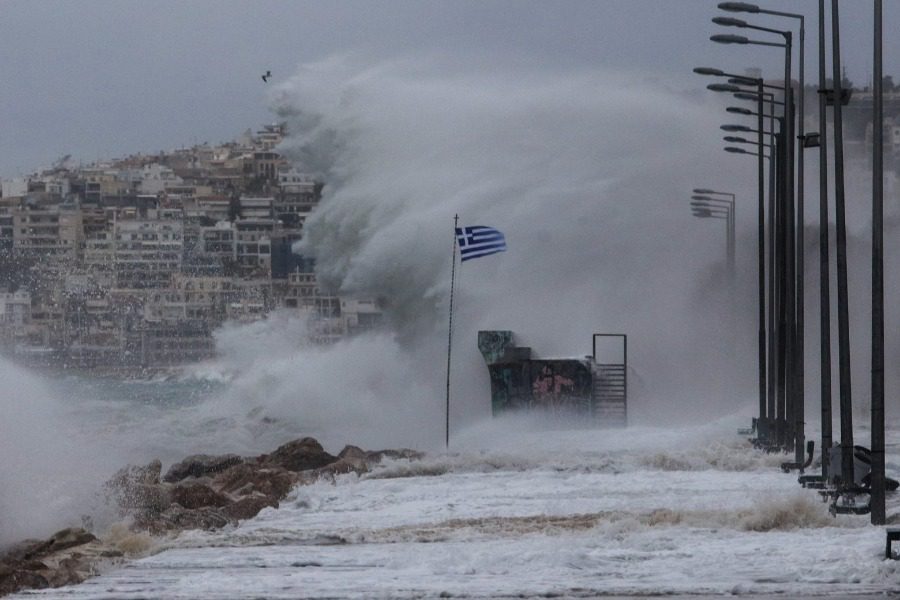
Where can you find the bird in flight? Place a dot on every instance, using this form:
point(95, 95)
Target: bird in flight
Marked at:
point(266, 76)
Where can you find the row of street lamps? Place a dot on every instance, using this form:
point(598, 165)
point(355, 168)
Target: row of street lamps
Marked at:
point(780, 425)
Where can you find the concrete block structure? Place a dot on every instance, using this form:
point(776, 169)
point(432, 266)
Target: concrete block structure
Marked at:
point(556, 387)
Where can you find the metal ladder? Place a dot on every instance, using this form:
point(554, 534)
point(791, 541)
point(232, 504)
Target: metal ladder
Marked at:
point(610, 395)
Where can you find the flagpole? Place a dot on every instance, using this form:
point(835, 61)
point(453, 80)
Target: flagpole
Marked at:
point(450, 332)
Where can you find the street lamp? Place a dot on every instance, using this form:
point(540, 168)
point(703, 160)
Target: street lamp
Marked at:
point(788, 179)
point(704, 199)
point(846, 403)
point(736, 150)
point(723, 87)
point(877, 500)
point(775, 335)
point(705, 210)
point(733, 139)
point(798, 373)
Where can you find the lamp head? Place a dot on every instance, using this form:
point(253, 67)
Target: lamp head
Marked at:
point(729, 22)
point(729, 39)
point(723, 87)
point(738, 7)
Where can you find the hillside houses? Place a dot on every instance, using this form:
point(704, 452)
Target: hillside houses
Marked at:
point(135, 262)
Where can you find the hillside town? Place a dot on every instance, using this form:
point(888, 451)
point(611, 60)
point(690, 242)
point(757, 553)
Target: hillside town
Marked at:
point(133, 263)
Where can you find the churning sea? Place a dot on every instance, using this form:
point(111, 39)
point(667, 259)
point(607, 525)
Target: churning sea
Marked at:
point(509, 510)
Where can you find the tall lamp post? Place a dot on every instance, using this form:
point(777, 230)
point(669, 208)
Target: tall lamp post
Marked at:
point(799, 391)
point(761, 236)
point(773, 349)
point(719, 208)
point(824, 259)
point(878, 483)
point(846, 402)
point(788, 282)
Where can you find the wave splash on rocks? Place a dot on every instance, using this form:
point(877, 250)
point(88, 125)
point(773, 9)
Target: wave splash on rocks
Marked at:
point(200, 492)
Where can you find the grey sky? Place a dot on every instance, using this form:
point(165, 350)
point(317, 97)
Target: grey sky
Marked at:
point(101, 79)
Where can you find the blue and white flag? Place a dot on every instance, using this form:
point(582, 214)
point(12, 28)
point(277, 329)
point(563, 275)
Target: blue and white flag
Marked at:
point(478, 240)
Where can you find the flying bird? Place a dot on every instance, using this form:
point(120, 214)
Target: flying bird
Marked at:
point(266, 76)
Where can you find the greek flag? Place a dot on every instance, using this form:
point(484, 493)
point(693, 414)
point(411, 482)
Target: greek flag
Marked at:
point(478, 240)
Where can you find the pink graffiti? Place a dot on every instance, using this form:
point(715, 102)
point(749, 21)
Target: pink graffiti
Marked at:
point(548, 389)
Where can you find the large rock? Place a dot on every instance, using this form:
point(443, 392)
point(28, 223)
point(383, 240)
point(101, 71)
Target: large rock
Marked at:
point(176, 517)
point(197, 495)
point(12, 580)
point(137, 490)
point(67, 572)
point(351, 451)
point(200, 465)
point(61, 540)
point(246, 479)
point(300, 455)
point(134, 475)
point(54, 562)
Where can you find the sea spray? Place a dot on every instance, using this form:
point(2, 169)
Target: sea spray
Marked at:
point(568, 165)
point(45, 473)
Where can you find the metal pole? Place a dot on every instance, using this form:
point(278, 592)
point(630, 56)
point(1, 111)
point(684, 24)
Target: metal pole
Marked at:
point(846, 400)
point(877, 493)
point(799, 407)
point(761, 253)
point(780, 282)
point(790, 261)
point(450, 335)
point(772, 370)
point(824, 275)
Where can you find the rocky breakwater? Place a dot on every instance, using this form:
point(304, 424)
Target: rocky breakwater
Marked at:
point(200, 492)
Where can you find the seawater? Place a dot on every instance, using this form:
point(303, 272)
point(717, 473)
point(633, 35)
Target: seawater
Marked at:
point(511, 513)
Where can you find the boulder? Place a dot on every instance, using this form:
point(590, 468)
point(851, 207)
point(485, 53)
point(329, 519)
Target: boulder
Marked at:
point(46, 563)
point(138, 491)
point(300, 455)
point(176, 517)
point(351, 451)
point(20, 579)
point(131, 474)
point(245, 479)
point(197, 495)
point(65, 538)
point(144, 501)
point(66, 573)
point(200, 465)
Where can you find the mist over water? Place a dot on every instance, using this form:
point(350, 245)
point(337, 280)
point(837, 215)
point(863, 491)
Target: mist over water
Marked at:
point(588, 173)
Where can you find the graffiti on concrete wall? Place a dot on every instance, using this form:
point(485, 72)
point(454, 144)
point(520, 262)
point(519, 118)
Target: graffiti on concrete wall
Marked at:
point(521, 382)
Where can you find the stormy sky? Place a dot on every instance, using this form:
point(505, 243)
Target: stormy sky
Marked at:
point(100, 79)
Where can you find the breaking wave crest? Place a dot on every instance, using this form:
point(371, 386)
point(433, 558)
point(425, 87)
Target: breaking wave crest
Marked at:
point(737, 455)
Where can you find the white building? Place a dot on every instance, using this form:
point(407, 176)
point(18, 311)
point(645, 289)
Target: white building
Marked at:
point(17, 186)
point(15, 309)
